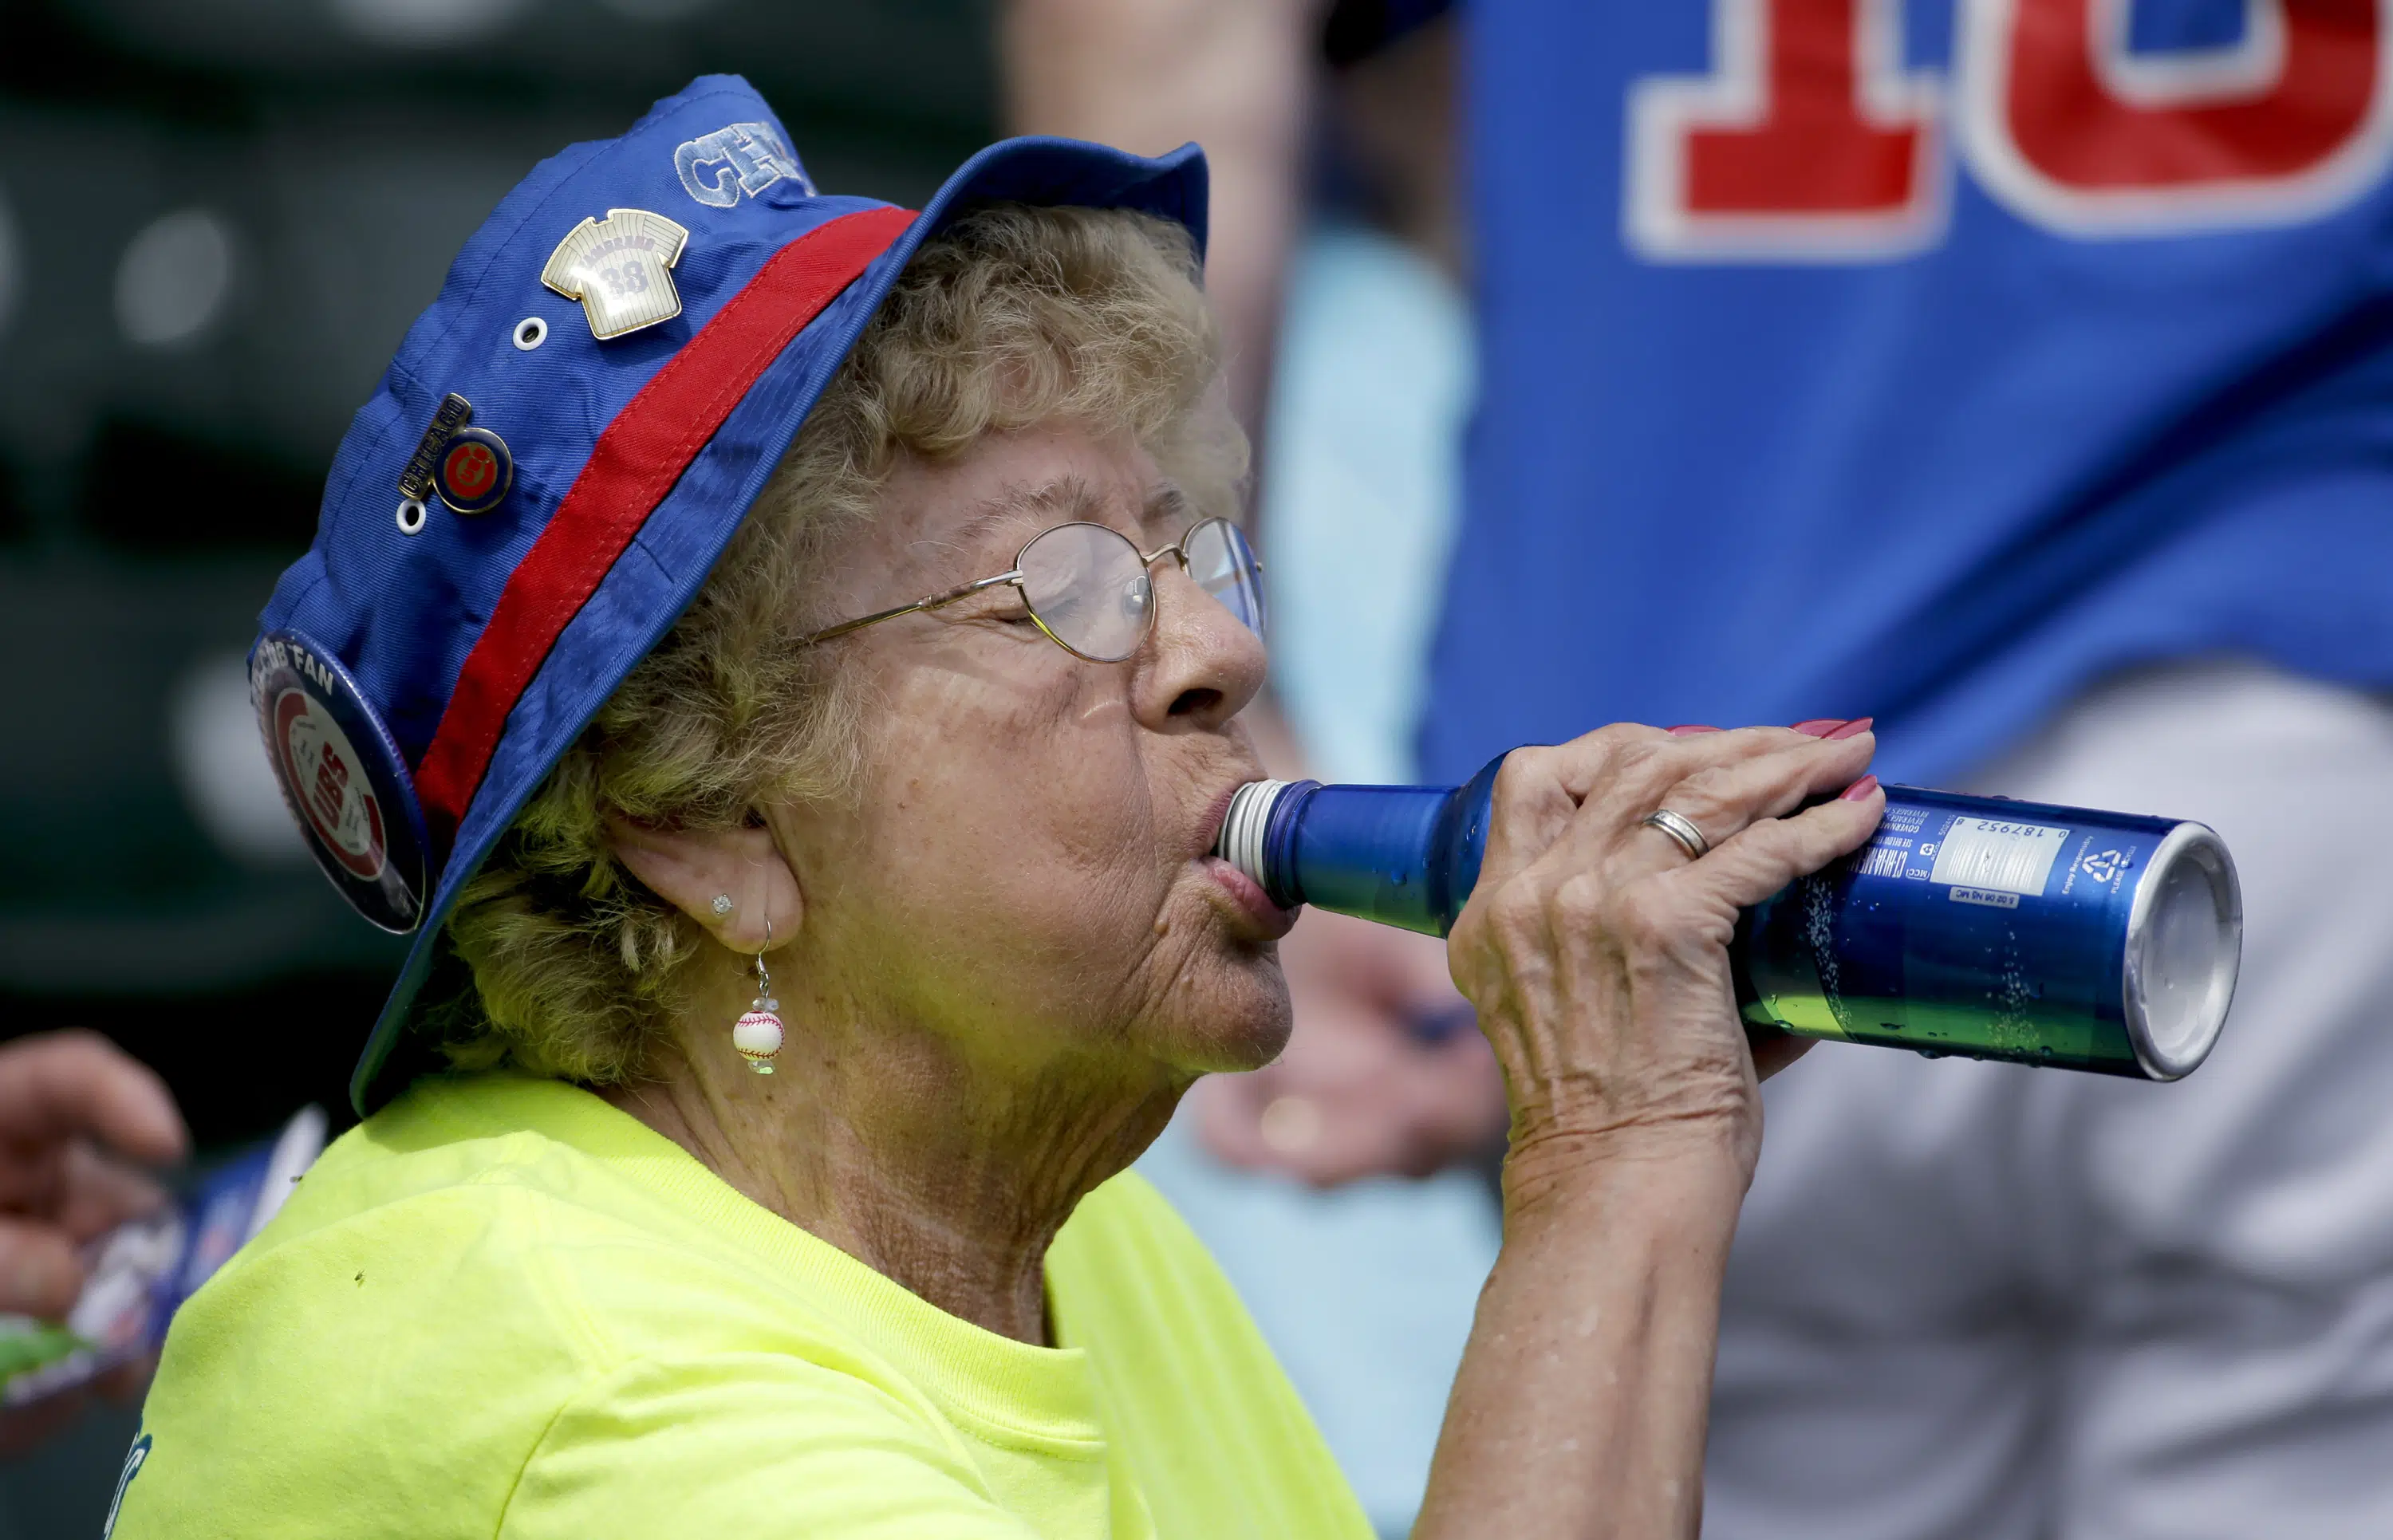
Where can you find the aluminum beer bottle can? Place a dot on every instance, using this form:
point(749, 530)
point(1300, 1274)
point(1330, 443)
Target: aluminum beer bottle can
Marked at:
point(1970, 925)
point(2006, 930)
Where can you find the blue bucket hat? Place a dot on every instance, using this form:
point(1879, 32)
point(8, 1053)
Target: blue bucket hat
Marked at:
point(564, 445)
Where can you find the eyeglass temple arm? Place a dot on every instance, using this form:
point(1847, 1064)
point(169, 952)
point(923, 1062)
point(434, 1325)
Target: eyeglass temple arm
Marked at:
point(933, 602)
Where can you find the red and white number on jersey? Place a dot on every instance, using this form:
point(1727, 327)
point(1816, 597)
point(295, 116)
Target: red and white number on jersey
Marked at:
point(1808, 140)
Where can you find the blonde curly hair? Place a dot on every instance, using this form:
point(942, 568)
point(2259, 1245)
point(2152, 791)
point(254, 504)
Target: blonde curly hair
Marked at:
point(1011, 316)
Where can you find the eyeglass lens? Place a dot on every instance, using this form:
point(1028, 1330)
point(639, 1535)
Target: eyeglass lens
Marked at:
point(1088, 588)
point(1224, 565)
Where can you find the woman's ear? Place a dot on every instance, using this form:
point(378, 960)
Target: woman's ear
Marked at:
point(731, 880)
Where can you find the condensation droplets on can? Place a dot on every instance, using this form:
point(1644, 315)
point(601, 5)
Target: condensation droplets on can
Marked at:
point(2007, 930)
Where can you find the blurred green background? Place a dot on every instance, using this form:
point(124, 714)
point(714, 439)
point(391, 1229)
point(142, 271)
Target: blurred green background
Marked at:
point(217, 219)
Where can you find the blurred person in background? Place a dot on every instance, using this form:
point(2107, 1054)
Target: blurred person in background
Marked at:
point(2052, 340)
point(79, 1120)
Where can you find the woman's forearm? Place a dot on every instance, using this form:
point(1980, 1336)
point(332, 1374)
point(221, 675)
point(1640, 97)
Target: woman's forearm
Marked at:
point(1579, 1409)
point(1596, 952)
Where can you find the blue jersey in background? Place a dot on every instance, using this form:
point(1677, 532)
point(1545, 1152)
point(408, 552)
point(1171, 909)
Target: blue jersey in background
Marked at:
point(1928, 362)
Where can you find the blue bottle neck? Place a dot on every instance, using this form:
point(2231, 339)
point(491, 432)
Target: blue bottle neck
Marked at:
point(1404, 856)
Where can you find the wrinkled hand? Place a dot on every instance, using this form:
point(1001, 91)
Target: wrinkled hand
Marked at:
point(74, 1110)
point(1385, 1074)
point(1597, 951)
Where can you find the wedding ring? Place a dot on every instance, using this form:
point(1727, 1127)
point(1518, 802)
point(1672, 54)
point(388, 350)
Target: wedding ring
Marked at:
point(1690, 838)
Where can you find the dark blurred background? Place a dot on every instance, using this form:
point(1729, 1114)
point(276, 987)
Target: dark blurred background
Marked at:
point(217, 219)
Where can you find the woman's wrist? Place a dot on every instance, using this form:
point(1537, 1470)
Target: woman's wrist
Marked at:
point(1694, 1173)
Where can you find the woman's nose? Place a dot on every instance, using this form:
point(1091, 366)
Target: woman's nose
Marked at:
point(1203, 665)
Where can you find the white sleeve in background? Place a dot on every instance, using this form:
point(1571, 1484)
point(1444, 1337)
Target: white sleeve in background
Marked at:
point(1998, 1303)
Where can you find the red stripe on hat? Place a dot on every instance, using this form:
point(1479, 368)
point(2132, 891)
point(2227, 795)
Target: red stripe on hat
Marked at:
point(637, 460)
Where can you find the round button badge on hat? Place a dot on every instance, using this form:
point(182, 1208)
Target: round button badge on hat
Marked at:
point(474, 470)
point(343, 778)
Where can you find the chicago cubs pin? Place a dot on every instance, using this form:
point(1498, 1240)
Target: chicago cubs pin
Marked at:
point(470, 467)
point(342, 775)
point(474, 470)
point(620, 269)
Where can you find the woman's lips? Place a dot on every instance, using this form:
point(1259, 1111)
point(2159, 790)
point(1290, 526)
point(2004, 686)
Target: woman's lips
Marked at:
point(1266, 918)
point(1215, 814)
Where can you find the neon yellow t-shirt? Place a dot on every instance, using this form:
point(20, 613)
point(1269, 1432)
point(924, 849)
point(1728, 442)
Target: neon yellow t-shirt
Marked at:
point(504, 1307)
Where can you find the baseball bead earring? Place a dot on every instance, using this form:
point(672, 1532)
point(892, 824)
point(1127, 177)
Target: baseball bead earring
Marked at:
point(757, 1034)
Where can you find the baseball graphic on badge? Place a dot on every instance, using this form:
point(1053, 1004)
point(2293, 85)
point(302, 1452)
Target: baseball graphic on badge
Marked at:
point(342, 776)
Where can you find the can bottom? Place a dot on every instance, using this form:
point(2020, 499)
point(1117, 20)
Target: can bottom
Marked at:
point(2185, 944)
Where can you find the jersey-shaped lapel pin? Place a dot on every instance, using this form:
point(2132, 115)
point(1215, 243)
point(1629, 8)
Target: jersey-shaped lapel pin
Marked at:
point(620, 269)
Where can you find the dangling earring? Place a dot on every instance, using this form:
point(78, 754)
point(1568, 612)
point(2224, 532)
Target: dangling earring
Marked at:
point(757, 1034)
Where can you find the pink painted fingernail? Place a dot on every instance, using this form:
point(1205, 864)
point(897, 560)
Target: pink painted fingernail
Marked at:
point(1688, 730)
point(1859, 791)
point(1819, 726)
point(1854, 728)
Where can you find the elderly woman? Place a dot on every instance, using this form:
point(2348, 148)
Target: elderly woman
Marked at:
point(825, 920)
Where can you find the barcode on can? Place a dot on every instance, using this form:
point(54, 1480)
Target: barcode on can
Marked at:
point(2006, 857)
point(1884, 860)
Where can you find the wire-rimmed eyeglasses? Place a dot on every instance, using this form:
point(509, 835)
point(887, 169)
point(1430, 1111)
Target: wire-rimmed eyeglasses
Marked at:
point(1086, 586)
